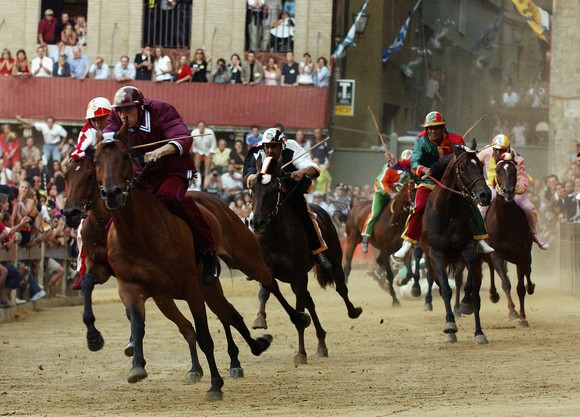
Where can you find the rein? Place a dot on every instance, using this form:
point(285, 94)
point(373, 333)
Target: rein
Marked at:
point(465, 192)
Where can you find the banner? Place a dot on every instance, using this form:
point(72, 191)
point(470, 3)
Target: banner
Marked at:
point(340, 51)
point(400, 39)
point(533, 16)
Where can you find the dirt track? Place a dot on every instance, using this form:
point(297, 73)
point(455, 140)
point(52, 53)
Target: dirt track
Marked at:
point(389, 361)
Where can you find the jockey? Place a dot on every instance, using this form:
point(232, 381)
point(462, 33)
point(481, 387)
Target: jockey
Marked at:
point(150, 120)
point(302, 171)
point(391, 175)
point(490, 156)
point(430, 145)
point(97, 115)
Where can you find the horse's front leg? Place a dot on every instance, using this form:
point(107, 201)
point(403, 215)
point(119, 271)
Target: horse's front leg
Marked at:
point(493, 294)
point(523, 272)
point(134, 300)
point(95, 340)
point(473, 263)
point(439, 269)
point(260, 321)
point(458, 283)
point(300, 319)
point(500, 265)
point(301, 292)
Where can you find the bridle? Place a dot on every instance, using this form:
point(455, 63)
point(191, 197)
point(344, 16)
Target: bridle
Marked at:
point(279, 201)
point(498, 189)
point(465, 189)
point(129, 183)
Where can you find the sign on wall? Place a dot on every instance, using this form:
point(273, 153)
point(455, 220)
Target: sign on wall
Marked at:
point(344, 100)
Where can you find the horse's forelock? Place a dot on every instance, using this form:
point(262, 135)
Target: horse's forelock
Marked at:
point(269, 166)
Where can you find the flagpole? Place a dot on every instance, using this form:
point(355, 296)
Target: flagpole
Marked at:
point(377, 127)
point(305, 152)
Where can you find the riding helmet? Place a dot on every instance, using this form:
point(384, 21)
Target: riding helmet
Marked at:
point(273, 135)
point(128, 96)
point(98, 107)
point(434, 119)
point(501, 142)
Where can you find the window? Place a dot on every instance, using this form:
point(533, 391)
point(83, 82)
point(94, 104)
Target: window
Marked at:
point(167, 23)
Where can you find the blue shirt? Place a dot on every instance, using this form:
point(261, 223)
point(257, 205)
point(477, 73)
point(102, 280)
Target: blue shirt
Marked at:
point(251, 140)
point(290, 7)
point(79, 66)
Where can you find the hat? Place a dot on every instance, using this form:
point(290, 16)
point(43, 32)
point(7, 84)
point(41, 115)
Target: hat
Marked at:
point(48, 12)
point(318, 194)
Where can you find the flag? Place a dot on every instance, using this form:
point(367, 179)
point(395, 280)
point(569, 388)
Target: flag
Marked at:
point(340, 51)
point(487, 36)
point(400, 39)
point(533, 16)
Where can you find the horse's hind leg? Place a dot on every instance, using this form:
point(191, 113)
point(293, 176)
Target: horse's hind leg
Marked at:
point(501, 267)
point(523, 273)
point(300, 289)
point(135, 306)
point(474, 270)
point(260, 321)
point(95, 340)
point(390, 278)
point(342, 290)
point(439, 270)
point(300, 319)
point(428, 305)
point(351, 243)
point(458, 284)
point(493, 294)
point(167, 306)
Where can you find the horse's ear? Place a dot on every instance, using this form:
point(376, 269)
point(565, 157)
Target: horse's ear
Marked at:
point(121, 134)
point(473, 144)
point(455, 149)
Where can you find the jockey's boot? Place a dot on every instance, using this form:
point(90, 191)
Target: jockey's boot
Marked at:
point(402, 252)
point(210, 268)
point(76, 285)
point(542, 243)
point(484, 247)
point(365, 243)
point(323, 261)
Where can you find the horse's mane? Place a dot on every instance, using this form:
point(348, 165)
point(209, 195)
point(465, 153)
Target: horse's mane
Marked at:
point(439, 167)
point(90, 153)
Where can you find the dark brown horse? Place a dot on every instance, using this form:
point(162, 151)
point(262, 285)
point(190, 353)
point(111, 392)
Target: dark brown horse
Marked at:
point(386, 235)
point(446, 237)
point(285, 247)
point(510, 236)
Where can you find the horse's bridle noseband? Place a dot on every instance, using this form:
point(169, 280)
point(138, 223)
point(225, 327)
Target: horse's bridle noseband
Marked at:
point(466, 190)
point(497, 187)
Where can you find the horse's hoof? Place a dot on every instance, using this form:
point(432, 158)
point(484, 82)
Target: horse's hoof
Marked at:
point(322, 353)
point(262, 344)
point(416, 292)
point(236, 373)
point(129, 349)
point(457, 312)
point(480, 339)
point(513, 316)
point(95, 344)
point(355, 313)
point(212, 396)
point(303, 321)
point(531, 289)
point(136, 374)
point(450, 327)
point(396, 303)
point(450, 338)
point(523, 323)
point(494, 297)
point(260, 323)
point(300, 359)
point(193, 377)
point(427, 307)
point(466, 309)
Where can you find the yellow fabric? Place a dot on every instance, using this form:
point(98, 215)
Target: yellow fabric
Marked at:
point(531, 13)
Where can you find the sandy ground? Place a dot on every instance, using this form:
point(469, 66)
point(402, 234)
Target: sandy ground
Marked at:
point(389, 361)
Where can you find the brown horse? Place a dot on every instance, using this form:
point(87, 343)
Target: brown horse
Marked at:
point(147, 263)
point(446, 237)
point(510, 236)
point(386, 235)
point(285, 247)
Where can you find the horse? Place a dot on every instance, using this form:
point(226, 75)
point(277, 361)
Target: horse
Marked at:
point(386, 236)
point(147, 263)
point(83, 200)
point(510, 236)
point(446, 236)
point(285, 246)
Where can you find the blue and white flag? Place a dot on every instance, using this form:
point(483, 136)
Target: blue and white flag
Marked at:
point(340, 51)
point(400, 39)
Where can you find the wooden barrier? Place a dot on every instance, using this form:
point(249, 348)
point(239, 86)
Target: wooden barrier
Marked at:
point(570, 257)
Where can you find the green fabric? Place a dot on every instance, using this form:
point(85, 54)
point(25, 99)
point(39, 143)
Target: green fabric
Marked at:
point(476, 222)
point(380, 200)
point(424, 153)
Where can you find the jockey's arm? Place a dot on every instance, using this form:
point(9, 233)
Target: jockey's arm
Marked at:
point(310, 172)
point(167, 149)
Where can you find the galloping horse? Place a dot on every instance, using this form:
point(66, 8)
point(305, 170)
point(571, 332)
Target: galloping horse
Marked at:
point(447, 238)
point(285, 247)
point(510, 236)
point(148, 263)
point(386, 236)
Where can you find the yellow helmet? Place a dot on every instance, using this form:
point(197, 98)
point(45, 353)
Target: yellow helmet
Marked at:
point(434, 119)
point(501, 142)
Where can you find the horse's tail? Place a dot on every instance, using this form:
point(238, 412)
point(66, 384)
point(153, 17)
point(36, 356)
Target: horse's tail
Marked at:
point(323, 276)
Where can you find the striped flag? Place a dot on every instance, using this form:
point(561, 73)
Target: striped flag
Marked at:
point(400, 39)
point(340, 51)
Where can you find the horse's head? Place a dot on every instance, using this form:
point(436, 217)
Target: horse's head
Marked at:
point(114, 172)
point(266, 194)
point(80, 188)
point(506, 177)
point(469, 174)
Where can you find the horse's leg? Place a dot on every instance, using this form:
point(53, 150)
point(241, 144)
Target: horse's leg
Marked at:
point(390, 278)
point(428, 306)
point(260, 321)
point(439, 270)
point(341, 289)
point(524, 271)
point(236, 370)
point(321, 349)
point(501, 267)
point(300, 289)
point(416, 273)
point(300, 319)
point(493, 294)
point(458, 284)
point(352, 241)
point(473, 262)
point(95, 340)
point(169, 309)
point(134, 301)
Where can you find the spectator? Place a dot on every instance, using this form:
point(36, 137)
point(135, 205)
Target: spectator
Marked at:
point(30, 155)
point(221, 157)
point(144, 64)
point(35, 291)
point(68, 146)
point(510, 98)
point(124, 70)
point(53, 134)
point(27, 207)
point(237, 155)
point(183, 74)
point(290, 8)
point(22, 66)
point(253, 137)
point(203, 147)
point(271, 73)
point(235, 68)
point(68, 35)
point(47, 29)
point(252, 70)
point(318, 199)
point(41, 66)
point(289, 74)
point(221, 73)
point(60, 26)
point(254, 20)
point(518, 134)
point(231, 183)
point(536, 96)
point(433, 98)
point(212, 183)
point(271, 10)
point(6, 175)
point(162, 66)
point(323, 152)
point(81, 30)
point(61, 48)
point(569, 201)
point(61, 68)
point(201, 60)
point(322, 184)
point(302, 141)
point(79, 64)
point(239, 207)
point(321, 75)
point(7, 63)
point(17, 173)
point(9, 146)
point(99, 70)
point(551, 182)
point(282, 33)
point(305, 69)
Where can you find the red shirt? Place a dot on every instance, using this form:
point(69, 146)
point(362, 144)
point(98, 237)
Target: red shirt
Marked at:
point(183, 72)
point(5, 70)
point(47, 30)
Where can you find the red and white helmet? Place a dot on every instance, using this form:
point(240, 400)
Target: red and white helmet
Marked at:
point(434, 118)
point(98, 107)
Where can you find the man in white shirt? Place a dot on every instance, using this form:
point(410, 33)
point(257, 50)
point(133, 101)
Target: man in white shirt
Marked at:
point(203, 147)
point(124, 70)
point(99, 70)
point(510, 98)
point(231, 183)
point(53, 134)
point(41, 66)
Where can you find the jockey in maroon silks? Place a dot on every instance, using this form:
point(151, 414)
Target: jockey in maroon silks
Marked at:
point(152, 120)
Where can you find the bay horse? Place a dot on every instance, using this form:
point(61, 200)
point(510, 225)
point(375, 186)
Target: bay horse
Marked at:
point(446, 237)
point(285, 246)
point(510, 236)
point(386, 235)
point(147, 263)
point(83, 200)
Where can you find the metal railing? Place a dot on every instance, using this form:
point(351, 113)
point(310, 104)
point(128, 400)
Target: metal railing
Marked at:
point(167, 23)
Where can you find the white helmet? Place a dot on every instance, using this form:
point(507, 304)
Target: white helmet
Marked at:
point(501, 142)
point(98, 107)
point(273, 135)
point(406, 154)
